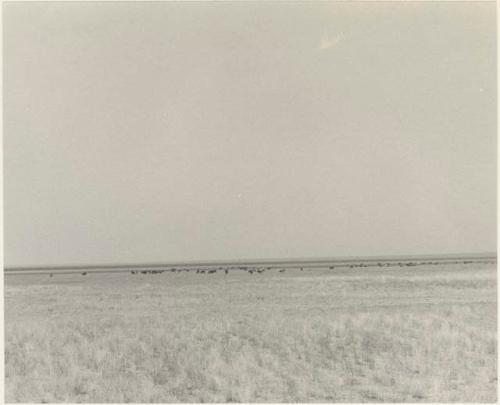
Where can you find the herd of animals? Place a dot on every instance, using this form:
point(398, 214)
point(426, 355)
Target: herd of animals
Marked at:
point(252, 270)
point(205, 271)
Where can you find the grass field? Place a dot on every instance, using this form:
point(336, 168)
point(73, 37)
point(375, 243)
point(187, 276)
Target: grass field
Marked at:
point(416, 334)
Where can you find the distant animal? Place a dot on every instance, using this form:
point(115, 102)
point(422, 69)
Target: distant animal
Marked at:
point(301, 269)
point(51, 274)
point(144, 272)
point(250, 271)
point(84, 273)
point(212, 271)
point(132, 272)
point(226, 271)
point(282, 270)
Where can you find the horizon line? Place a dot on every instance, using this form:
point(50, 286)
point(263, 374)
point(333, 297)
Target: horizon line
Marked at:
point(275, 261)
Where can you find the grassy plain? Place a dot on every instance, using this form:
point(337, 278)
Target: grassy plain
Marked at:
point(416, 334)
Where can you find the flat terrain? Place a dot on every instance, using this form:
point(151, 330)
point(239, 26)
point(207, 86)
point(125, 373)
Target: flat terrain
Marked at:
point(423, 333)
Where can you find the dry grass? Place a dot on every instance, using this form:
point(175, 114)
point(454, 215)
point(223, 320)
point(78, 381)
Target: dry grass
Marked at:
point(293, 337)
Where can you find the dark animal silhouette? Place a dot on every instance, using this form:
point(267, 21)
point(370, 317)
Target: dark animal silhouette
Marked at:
point(212, 271)
point(226, 271)
point(84, 273)
point(282, 270)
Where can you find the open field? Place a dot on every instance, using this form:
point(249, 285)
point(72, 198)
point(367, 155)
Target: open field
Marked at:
point(424, 333)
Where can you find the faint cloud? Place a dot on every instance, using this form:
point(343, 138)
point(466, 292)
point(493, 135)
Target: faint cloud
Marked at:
point(330, 41)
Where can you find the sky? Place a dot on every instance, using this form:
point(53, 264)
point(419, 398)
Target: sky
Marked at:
point(150, 132)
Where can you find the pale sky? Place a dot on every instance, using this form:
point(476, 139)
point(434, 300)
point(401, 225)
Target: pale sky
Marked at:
point(147, 132)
